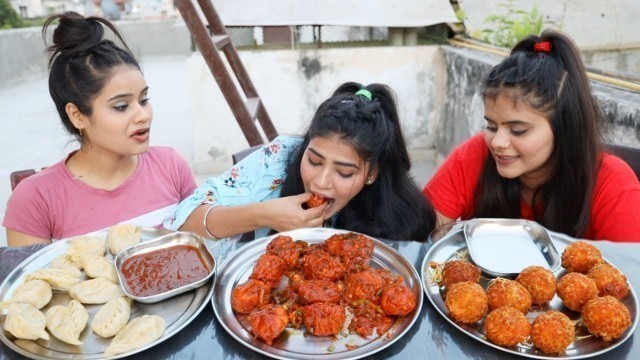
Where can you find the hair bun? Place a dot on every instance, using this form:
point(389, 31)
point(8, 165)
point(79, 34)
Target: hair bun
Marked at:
point(76, 33)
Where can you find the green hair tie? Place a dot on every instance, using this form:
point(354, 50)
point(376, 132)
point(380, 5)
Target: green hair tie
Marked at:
point(366, 93)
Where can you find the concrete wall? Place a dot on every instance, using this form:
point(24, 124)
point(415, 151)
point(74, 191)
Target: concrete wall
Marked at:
point(292, 83)
point(462, 113)
point(593, 24)
point(22, 51)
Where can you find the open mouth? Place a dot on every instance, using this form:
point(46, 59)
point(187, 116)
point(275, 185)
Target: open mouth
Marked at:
point(505, 157)
point(141, 132)
point(318, 200)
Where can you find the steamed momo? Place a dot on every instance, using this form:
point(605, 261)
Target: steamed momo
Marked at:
point(65, 260)
point(100, 267)
point(95, 291)
point(122, 236)
point(111, 317)
point(35, 292)
point(24, 321)
point(87, 245)
point(59, 279)
point(136, 334)
point(67, 322)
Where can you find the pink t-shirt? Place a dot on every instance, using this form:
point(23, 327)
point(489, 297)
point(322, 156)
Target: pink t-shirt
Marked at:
point(54, 205)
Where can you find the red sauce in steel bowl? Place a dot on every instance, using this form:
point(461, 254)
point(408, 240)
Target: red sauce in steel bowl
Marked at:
point(162, 270)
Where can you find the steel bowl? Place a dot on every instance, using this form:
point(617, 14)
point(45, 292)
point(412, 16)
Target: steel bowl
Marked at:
point(503, 247)
point(166, 241)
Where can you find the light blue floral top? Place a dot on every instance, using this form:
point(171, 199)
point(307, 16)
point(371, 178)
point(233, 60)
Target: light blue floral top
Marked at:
point(258, 177)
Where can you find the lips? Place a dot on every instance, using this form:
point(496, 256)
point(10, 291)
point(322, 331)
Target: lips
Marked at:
point(141, 135)
point(505, 159)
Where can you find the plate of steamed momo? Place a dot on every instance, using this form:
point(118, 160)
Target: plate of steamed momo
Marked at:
point(66, 300)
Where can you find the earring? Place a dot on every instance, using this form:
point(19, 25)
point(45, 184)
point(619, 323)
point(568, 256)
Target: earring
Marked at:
point(80, 130)
point(369, 181)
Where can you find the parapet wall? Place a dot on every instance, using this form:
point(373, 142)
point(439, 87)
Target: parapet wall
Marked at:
point(22, 51)
point(462, 112)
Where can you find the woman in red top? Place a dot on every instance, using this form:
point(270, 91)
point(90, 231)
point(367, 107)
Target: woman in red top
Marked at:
point(540, 157)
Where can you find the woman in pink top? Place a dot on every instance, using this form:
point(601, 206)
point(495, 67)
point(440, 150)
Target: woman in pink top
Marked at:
point(101, 97)
point(540, 157)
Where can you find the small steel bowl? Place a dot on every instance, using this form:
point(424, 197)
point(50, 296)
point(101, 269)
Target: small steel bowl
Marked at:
point(503, 247)
point(166, 241)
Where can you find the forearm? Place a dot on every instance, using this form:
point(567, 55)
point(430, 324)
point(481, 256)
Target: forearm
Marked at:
point(226, 221)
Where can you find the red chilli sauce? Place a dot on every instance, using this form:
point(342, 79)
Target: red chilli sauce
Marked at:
point(162, 270)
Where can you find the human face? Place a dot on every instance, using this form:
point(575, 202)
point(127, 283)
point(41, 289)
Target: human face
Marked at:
point(333, 169)
point(520, 140)
point(121, 115)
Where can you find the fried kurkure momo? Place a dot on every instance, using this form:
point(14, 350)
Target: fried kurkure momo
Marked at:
point(540, 282)
point(466, 302)
point(506, 326)
point(606, 317)
point(504, 292)
point(609, 281)
point(456, 271)
point(575, 290)
point(581, 257)
point(552, 332)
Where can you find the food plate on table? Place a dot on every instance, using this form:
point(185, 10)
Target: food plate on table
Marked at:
point(449, 243)
point(177, 311)
point(298, 343)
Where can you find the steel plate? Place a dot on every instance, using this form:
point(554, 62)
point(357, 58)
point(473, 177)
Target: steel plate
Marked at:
point(293, 344)
point(177, 311)
point(449, 242)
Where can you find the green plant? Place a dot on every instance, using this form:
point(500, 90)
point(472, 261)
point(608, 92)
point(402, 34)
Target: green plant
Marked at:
point(8, 17)
point(513, 26)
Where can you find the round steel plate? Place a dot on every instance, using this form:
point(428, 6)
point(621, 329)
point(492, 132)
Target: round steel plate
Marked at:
point(177, 311)
point(450, 243)
point(293, 344)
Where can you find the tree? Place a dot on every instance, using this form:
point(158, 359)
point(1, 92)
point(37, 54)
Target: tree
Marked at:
point(9, 18)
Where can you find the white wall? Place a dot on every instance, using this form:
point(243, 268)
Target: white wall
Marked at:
point(292, 83)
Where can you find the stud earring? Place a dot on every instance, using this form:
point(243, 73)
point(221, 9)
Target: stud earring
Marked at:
point(369, 181)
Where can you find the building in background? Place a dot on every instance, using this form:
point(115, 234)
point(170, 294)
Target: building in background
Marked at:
point(111, 9)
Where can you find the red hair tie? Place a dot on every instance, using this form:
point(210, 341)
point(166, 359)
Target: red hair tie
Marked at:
point(543, 46)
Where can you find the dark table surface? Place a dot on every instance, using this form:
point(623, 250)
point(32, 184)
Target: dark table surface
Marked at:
point(431, 336)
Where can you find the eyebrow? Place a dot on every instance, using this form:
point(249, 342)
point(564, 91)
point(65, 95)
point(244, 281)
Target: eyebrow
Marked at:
point(120, 96)
point(341, 163)
point(510, 122)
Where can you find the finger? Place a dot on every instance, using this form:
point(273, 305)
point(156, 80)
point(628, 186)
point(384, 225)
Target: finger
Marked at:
point(316, 211)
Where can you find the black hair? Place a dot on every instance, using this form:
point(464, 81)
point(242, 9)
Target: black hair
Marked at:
point(81, 62)
point(556, 84)
point(393, 206)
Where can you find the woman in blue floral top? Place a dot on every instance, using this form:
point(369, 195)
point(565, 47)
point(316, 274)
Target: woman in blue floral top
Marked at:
point(353, 154)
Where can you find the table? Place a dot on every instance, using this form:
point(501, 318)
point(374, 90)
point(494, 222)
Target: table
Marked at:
point(431, 336)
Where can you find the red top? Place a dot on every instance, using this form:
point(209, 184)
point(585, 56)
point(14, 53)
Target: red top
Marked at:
point(615, 212)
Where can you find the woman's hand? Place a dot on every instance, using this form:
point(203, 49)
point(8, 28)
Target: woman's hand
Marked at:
point(287, 213)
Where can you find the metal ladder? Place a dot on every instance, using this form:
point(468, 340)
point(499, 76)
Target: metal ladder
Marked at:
point(210, 43)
